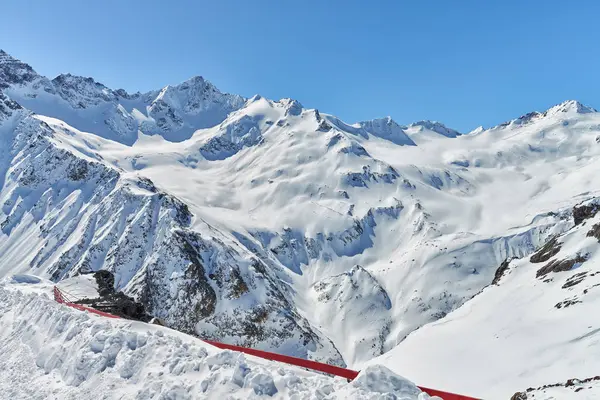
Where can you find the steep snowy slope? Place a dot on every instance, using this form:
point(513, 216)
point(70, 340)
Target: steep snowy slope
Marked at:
point(538, 324)
point(268, 224)
point(66, 211)
point(173, 112)
point(50, 351)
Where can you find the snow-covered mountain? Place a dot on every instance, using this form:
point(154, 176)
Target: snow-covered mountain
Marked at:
point(271, 225)
point(175, 112)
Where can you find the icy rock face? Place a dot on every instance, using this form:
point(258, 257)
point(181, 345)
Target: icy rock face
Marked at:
point(570, 106)
point(195, 98)
point(196, 95)
point(15, 72)
point(294, 250)
point(292, 107)
point(234, 136)
point(216, 291)
point(82, 92)
point(367, 176)
point(121, 122)
point(342, 289)
point(7, 107)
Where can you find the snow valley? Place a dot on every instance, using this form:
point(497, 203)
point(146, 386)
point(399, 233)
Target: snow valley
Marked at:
point(270, 225)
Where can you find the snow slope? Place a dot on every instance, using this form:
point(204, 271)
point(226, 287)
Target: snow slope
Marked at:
point(537, 325)
point(50, 351)
point(272, 225)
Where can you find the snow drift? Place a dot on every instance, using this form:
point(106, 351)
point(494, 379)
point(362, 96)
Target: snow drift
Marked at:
point(50, 351)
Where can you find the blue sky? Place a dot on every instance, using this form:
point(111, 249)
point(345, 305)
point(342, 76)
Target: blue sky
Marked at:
point(464, 63)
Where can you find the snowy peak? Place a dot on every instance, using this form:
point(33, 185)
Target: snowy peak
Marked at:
point(569, 106)
point(194, 104)
point(292, 107)
point(14, 71)
point(175, 112)
point(196, 95)
point(82, 92)
point(477, 130)
point(387, 128)
point(566, 108)
point(436, 127)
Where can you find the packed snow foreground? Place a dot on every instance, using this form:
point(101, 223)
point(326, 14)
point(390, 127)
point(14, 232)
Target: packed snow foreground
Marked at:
point(50, 351)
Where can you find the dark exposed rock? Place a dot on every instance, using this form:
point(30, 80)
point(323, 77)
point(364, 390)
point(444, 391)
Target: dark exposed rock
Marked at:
point(117, 303)
point(570, 383)
point(519, 396)
point(7, 106)
point(574, 280)
point(324, 126)
point(14, 72)
point(582, 213)
point(594, 232)
point(105, 281)
point(238, 286)
point(196, 277)
point(78, 171)
point(501, 270)
point(361, 179)
point(567, 303)
point(547, 251)
point(560, 265)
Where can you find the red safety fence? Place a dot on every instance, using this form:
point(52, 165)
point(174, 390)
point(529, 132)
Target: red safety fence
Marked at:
point(64, 298)
point(301, 362)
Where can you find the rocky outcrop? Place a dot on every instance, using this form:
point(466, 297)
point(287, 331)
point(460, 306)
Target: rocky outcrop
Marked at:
point(14, 72)
point(501, 271)
point(547, 251)
point(583, 212)
point(560, 265)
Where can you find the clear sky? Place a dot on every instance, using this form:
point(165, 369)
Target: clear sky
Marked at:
point(464, 63)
